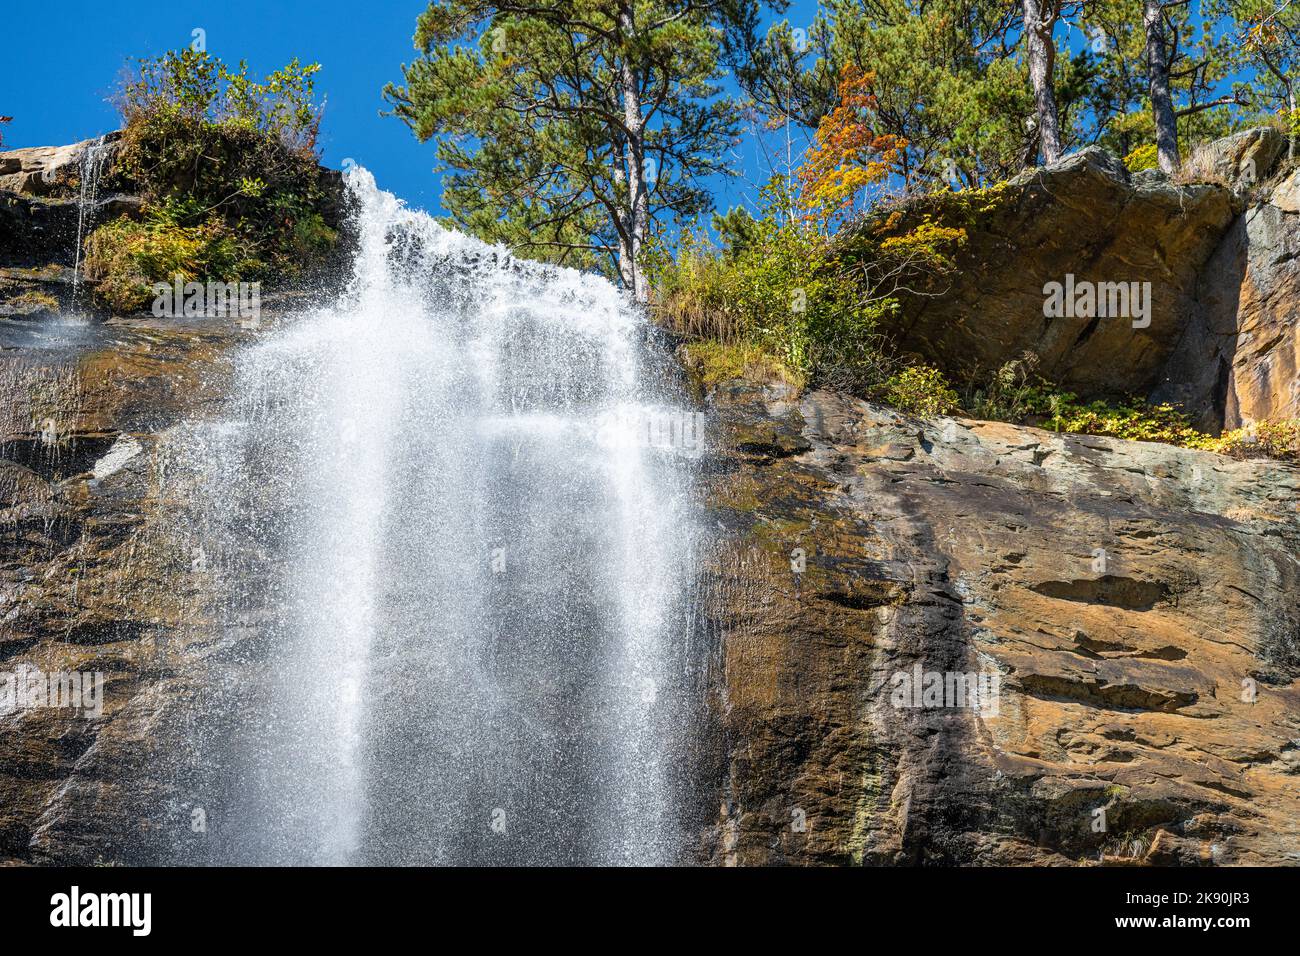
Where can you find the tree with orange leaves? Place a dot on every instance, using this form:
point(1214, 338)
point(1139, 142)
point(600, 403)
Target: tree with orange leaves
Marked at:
point(848, 154)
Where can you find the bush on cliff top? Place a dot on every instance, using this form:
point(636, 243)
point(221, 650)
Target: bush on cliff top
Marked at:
point(775, 284)
point(770, 285)
point(128, 257)
point(229, 172)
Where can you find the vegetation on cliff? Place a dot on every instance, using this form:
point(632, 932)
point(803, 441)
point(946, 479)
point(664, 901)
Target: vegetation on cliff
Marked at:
point(228, 169)
point(1017, 394)
point(778, 284)
point(859, 246)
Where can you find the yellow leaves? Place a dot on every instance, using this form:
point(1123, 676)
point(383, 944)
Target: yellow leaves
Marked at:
point(847, 155)
point(890, 223)
point(1266, 439)
point(929, 238)
point(1290, 120)
point(1143, 157)
point(1261, 35)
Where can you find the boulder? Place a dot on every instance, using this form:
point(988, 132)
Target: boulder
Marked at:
point(1219, 257)
point(52, 170)
point(1241, 161)
point(1082, 223)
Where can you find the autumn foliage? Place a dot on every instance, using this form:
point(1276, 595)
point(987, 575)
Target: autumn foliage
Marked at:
point(848, 154)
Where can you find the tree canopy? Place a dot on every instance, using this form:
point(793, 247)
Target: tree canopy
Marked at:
point(581, 131)
point(572, 130)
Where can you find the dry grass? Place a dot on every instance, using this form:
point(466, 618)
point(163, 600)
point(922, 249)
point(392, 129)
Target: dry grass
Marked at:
point(695, 309)
point(1199, 168)
point(716, 362)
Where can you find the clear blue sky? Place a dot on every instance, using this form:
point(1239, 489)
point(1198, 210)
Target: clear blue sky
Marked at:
point(60, 63)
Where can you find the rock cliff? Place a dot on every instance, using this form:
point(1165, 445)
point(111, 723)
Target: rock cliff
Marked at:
point(1135, 602)
point(95, 575)
point(1217, 251)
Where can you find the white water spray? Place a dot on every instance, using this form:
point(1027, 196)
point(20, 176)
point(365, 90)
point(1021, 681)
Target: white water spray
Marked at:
point(93, 160)
point(465, 565)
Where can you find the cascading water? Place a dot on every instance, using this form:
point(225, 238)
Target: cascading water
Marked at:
point(455, 510)
point(93, 160)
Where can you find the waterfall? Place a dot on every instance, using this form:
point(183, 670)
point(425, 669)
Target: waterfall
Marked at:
point(93, 160)
point(453, 518)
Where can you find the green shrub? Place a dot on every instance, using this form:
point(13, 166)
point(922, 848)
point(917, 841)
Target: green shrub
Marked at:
point(1134, 419)
point(1266, 439)
point(773, 286)
point(1015, 393)
point(1012, 394)
point(919, 390)
point(1144, 157)
point(126, 258)
point(229, 172)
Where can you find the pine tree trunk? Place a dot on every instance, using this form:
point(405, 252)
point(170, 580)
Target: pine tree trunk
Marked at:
point(1040, 21)
point(627, 263)
point(1290, 121)
point(1162, 102)
point(638, 212)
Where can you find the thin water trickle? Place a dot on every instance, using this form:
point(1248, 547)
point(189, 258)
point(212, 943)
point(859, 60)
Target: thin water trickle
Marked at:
point(469, 573)
point(93, 161)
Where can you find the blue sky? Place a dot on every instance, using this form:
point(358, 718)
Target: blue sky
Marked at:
point(62, 63)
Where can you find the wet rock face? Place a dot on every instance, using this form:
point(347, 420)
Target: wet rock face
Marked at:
point(36, 232)
point(40, 189)
point(1109, 622)
point(95, 579)
point(1129, 608)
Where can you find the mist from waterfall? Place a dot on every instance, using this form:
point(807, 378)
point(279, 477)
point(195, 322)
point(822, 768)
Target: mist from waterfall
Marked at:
point(448, 508)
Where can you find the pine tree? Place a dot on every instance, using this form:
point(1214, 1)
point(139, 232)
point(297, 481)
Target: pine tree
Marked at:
point(572, 130)
point(949, 79)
